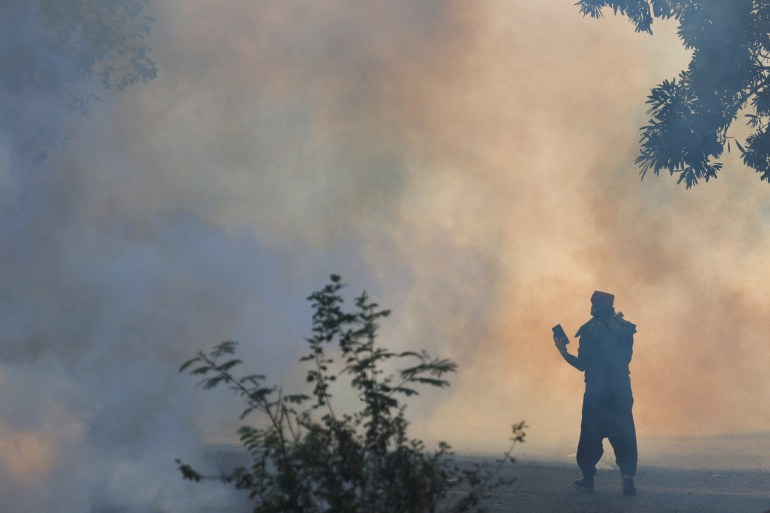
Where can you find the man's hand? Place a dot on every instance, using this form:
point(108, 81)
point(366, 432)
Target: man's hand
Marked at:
point(561, 345)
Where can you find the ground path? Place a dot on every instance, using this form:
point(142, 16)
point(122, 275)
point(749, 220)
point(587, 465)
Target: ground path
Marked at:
point(547, 488)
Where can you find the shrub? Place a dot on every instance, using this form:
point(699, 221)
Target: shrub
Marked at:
point(308, 457)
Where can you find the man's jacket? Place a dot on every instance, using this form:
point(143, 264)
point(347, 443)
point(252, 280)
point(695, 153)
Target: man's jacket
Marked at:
point(605, 350)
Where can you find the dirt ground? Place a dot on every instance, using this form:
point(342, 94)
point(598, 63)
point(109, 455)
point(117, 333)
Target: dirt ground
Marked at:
point(683, 475)
point(548, 488)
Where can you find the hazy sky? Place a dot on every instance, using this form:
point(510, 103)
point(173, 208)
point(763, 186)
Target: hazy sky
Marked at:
point(468, 163)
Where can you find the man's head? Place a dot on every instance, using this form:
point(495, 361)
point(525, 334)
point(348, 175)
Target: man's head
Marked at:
point(601, 304)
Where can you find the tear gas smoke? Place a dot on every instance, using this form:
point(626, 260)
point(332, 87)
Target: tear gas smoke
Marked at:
point(468, 163)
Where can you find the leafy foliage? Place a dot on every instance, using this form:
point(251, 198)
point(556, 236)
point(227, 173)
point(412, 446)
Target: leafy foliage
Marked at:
point(58, 56)
point(729, 71)
point(308, 457)
point(75, 41)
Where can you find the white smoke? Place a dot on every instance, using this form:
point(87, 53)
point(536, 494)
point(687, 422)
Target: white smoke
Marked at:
point(469, 164)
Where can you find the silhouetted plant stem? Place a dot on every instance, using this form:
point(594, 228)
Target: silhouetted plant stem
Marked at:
point(360, 462)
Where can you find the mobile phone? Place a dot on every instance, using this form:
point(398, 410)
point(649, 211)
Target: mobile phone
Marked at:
point(559, 332)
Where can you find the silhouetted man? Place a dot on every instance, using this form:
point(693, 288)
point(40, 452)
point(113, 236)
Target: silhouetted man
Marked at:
point(604, 352)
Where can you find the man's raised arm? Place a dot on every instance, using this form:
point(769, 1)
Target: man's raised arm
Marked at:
point(561, 345)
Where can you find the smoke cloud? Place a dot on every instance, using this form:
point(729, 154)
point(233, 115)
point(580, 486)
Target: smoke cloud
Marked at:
point(469, 164)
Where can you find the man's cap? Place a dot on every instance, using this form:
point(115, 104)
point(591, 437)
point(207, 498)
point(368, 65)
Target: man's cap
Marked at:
point(602, 298)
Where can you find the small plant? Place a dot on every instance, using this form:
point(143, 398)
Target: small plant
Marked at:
point(309, 457)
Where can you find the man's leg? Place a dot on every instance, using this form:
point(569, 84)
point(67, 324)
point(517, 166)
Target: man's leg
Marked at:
point(590, 448)
point(623, 440)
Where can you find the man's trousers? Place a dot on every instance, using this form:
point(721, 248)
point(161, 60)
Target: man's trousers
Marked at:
point(607, 415)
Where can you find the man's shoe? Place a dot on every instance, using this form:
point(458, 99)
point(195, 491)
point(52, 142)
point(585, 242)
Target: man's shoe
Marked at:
point(585, 483)
point(628, 486)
